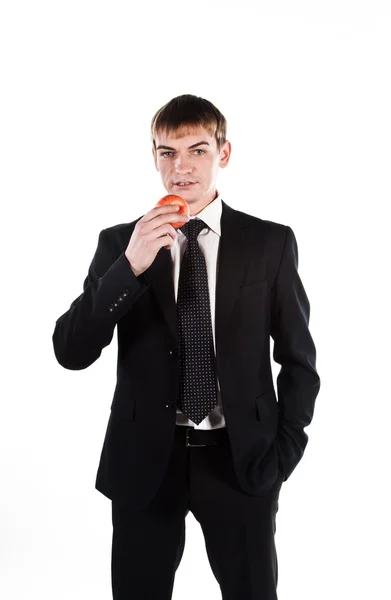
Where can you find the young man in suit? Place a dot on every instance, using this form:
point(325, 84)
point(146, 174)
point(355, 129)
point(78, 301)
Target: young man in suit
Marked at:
point(195, 421)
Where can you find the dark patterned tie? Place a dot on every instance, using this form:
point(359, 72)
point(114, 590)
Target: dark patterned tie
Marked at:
point(197, 395)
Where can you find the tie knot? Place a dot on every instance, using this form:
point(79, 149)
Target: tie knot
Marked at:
point(192, 228)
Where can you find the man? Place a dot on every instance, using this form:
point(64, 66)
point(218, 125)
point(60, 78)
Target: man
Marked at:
point(195, 423)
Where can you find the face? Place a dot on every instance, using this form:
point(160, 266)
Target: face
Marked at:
point(193, 157)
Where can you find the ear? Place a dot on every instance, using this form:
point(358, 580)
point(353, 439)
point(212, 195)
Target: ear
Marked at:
point(225, 154)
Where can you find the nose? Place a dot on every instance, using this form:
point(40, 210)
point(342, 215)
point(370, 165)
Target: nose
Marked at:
point(182, 166)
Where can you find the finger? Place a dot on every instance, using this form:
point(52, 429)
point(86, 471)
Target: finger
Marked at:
point(161, 210)
point(166, 219)
point(160, 233)
point(164, 239)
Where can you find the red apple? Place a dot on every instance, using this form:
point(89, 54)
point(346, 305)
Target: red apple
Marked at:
point(179, 201)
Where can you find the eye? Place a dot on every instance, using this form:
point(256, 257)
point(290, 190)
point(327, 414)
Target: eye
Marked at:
point(197, 150)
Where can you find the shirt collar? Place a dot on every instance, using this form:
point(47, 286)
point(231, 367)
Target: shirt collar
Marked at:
point(211, 215)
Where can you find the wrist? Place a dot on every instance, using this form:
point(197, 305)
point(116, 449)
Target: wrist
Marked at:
point(137, 272)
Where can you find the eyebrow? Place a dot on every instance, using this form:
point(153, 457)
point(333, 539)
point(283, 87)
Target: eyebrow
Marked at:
point(189, 148)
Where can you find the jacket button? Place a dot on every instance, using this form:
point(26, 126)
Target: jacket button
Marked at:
point(175, 351)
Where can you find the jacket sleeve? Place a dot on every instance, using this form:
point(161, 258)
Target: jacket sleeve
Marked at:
point(298, 382)
point(110, 290)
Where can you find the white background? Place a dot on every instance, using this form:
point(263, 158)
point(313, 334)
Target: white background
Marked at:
point(305, 90)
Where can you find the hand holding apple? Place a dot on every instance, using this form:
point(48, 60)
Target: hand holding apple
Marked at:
point(152, 230)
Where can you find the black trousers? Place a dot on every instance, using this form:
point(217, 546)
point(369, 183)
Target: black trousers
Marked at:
point(239, 529)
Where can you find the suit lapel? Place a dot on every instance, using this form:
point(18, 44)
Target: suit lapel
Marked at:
point(234, 254)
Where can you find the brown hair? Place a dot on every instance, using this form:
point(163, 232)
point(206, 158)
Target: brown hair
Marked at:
point(184, 112)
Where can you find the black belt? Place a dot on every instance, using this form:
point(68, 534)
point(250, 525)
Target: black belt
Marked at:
point(201, 437)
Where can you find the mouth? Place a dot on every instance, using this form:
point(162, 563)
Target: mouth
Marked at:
point(185, 185)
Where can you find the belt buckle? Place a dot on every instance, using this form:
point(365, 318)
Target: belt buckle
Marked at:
point(188, 442)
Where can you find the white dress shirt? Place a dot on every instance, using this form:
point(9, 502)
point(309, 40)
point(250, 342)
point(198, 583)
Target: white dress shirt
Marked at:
point(208, 240)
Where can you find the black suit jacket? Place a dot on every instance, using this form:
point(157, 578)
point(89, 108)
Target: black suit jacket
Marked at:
point(258, 294)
